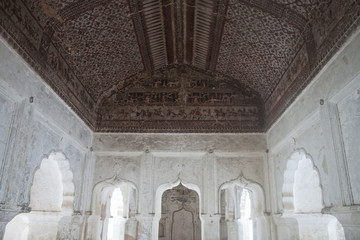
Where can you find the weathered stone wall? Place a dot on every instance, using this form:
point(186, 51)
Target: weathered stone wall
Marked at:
point(35, 122)
point(324, 123)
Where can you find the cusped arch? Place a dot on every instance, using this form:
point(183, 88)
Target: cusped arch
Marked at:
point(98, 222)
point(158, 197)
point(105, 187)
point(54, 169)
point(294, 181)
point(256, 189)
point(51, 198)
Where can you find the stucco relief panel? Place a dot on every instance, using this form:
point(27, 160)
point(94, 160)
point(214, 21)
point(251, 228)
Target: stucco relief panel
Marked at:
point(169, 169)
point(42, 142)
point(231, 168)
point(126, 168)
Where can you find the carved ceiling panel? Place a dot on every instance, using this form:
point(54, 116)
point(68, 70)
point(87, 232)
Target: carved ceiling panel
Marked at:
point(98, 44)
point(178, 65)
point(257, 47)
point(180, 98)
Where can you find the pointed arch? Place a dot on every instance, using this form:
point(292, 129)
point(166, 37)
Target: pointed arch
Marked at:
point(257, 189)
point(98, 222)
point(295, 195)
point(108, 185)
point(51, 198)
point(53, 183)
point(258, 223)
point(158, 198)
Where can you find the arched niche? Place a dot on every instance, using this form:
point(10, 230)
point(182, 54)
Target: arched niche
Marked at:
point(303, 200)
point(98, 222)
point(158, 203)
point(234, 225)
point(301, 192)
point(51, 198)
point(53, 187)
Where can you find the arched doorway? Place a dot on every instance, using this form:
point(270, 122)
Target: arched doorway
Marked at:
point(180, 214)
point(156, 228)
point(242, 207)
point(114, 206)
point(51, 198)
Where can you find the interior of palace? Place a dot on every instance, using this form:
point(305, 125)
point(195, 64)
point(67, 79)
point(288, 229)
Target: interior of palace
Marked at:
point(180, 119)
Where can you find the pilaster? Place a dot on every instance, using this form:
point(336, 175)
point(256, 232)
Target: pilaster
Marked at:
point(210, 227)
point(144, 229)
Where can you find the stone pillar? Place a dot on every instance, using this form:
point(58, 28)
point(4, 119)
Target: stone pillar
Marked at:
point(223, 229)
point(130, 229)
point(232, 230)
point(146, 193)
point(210, 227)
point(146, 198)
point(209, 198)
point(144, 226)
point(93, 225)
point(69, 227)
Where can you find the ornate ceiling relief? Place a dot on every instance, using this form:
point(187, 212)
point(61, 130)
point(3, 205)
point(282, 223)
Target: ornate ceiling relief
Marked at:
point(180, 98)
point(329, 24)
point(179, 31)
point(178, 65)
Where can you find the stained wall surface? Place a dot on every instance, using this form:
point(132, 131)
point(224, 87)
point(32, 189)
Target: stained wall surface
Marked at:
point(323, 123)
point(160, 161)
point(35, 122)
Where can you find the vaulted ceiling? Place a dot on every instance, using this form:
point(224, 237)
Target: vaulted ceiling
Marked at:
point(178, 65)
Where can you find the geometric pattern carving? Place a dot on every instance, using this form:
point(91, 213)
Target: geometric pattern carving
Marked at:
point(97, 45)
point(257, 47)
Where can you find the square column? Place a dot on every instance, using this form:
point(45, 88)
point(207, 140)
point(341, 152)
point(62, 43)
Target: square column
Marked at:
point(210, 227)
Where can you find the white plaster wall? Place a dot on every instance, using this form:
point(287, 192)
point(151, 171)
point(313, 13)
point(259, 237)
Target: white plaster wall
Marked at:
point(29, 132)
point(328, 132)
point(107, 142)
point(349, 114)
point(206, 161)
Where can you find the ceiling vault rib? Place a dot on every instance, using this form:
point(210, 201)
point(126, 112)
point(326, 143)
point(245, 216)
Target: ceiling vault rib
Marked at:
point(216, 33)
point(195, 35)
point(179, 29)
point(140, 32)
point(169, 29)
point(189, 30)
point(154, 13)
point(202, 26)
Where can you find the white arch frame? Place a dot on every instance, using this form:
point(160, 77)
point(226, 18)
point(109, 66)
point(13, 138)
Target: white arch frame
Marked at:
point(68, 192)
point(107, 185)
point(113, 182)
point(258, 195)
point(292, 165)
point(66, 179)
point(158, 197)
point(257, 189)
